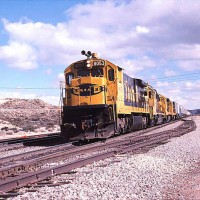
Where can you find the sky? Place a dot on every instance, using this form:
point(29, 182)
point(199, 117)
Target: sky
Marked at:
point(155, 40)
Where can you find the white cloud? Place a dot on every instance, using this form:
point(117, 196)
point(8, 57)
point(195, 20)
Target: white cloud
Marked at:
point(192, 86)
point(142, 29)
point(189, 85)
point(169, 72)
point(160, 84)
point(48, 71)
point(186, 51)
point(186, 93)
point(19, 55)
point(190, 65)
point(132, 34)
point(61, 77)
point(132, 66)
point(59, 81)
point(18, 94)
point(111, 29)
point(54, 100)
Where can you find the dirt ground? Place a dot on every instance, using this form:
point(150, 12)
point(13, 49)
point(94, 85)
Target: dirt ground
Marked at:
point(190, 186)
point(189, 183)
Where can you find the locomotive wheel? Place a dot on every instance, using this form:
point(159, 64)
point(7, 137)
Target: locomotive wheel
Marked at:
point(118, 127)
point(121, 126)
point(152, 122)
point(129, 122)
point(144, 122)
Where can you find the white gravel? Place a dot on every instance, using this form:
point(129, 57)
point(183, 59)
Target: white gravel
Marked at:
point(19, 151)
point(146, 176)
point(168, 127)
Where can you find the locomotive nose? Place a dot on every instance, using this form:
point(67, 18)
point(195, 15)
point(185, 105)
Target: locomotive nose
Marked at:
point(88, 91)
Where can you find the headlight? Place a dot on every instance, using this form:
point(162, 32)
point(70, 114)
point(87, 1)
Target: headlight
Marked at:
point(88, 63)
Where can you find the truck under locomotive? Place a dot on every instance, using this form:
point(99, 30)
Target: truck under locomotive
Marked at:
point(100, 100)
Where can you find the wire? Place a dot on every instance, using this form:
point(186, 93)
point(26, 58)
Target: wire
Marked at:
point(43, 109)
point(178, 76)
point(177, 80)
point(31, 88)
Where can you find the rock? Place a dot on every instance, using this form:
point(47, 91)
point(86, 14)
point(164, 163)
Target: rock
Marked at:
point(2, 132)
point(50, 129)
point(4, 128)
point(10, 132)
point(28, 114)
point(43, 129)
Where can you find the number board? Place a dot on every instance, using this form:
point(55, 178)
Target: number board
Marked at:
point(97, 63)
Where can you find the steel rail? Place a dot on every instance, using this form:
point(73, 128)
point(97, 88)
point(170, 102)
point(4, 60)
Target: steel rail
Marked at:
point(33, 177)
point(29, 138)
point(34, 153)
point(174, 133)
point(44, 173)
point(7, 147)
point(143, 131)
point(55, 134)
point(51, 149)
point(63, 154)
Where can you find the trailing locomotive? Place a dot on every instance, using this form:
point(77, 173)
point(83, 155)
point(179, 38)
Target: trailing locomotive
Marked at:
point(100, 100)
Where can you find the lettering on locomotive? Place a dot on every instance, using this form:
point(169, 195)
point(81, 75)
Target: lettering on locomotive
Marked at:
point(87, 90)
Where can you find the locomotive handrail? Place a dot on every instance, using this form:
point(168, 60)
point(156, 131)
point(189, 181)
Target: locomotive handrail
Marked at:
point(105, 94)
point(90, 94)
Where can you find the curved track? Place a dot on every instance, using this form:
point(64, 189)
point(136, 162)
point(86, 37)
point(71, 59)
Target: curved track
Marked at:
point(98, 150)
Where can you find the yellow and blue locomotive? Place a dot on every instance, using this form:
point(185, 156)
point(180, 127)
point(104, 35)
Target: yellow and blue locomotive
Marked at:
point(100, 100)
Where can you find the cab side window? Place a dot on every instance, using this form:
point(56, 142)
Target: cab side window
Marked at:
point(69, 78)
point(150, 95)
point(98, 72)
point(111, 75)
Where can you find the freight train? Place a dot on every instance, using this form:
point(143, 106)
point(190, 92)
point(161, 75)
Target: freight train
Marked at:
point(100, 101)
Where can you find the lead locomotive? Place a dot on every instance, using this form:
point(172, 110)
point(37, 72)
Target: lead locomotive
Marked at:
point(100, 100)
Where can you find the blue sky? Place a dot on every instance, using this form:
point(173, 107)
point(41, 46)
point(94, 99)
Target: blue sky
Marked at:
point(155, 40)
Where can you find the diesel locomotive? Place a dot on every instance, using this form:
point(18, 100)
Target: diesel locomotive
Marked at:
point(100, 101)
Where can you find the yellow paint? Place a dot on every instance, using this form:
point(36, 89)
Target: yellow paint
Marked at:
point(110, 92)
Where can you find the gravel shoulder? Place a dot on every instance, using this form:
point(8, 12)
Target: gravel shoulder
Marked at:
point(169, 171)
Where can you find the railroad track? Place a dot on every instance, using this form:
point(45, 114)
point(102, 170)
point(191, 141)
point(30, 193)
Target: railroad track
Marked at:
point(30, 139)
point(7, 147)
point(53, 139)
point(98, 150)
point(35, 153)
point(52, 136)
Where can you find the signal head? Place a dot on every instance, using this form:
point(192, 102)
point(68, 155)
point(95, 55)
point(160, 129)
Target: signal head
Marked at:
point(83, 52)
point(89, 53)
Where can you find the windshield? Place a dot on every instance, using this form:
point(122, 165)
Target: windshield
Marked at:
point(97, 72)
point(83, 73)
